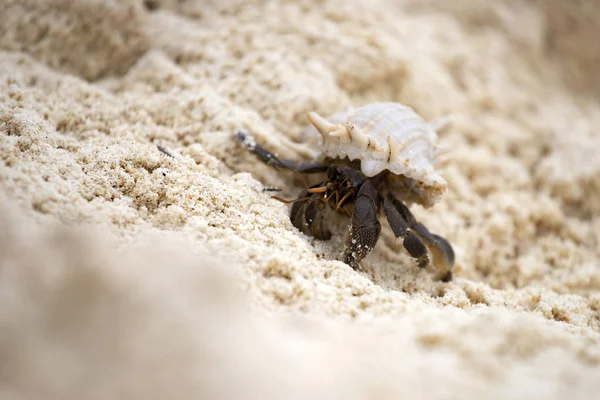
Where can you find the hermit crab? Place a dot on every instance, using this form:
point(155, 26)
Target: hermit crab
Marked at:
point(375, 158)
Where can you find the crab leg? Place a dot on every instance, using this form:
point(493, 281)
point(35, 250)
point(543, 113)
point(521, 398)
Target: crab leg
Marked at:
point(271, 159)
point(365, 227)
point(439, 247)
point(315, 221)
point(412, 243)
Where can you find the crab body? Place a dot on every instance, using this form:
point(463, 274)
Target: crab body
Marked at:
point(376, 158)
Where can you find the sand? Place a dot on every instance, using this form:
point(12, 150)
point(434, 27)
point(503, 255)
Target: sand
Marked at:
point(126, 273)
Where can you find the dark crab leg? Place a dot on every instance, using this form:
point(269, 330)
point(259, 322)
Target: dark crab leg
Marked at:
point(315, 220)
point(297, 213)
point(306, 215)
point(271, 159)
point(439, 247)
point(412, 243)
point(365, 227)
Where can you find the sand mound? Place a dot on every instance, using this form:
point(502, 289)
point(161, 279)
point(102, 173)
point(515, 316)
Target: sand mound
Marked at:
point(124, 270)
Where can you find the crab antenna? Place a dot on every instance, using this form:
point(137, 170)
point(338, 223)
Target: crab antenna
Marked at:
point(300, 176)
point(290, 201)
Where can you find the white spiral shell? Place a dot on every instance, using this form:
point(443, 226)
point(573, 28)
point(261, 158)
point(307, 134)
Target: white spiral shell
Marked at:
point(385, 136)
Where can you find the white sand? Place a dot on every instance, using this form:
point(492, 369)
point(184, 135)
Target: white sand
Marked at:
point(128, 274)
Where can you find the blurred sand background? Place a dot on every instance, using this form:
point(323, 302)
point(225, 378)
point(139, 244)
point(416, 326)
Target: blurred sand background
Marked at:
point(128, 274)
